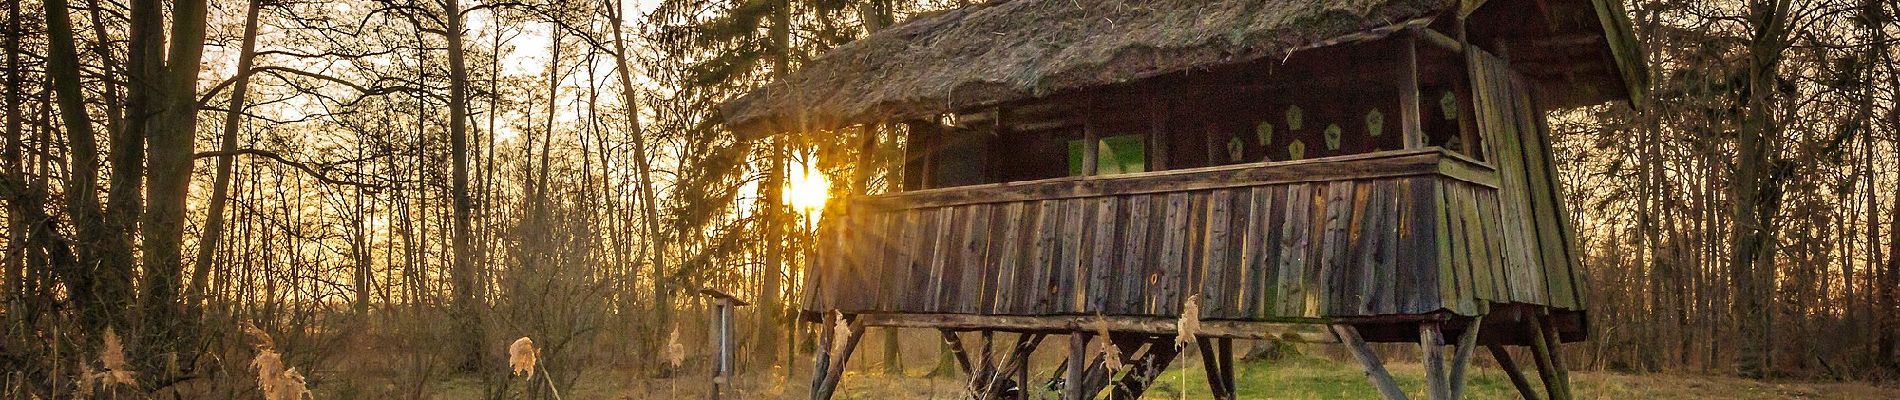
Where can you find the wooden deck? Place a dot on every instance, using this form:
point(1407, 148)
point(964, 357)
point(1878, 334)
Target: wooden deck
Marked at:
point(1391, 233)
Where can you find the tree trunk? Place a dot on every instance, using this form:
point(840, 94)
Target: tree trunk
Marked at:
point(464, 290)
point(662, 289)
point(227, 144)
point(1757, 191)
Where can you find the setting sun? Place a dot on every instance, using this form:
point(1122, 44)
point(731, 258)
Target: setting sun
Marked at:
point(805, 186)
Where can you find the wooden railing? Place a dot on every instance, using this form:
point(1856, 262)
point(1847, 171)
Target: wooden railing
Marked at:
point(1398, 232)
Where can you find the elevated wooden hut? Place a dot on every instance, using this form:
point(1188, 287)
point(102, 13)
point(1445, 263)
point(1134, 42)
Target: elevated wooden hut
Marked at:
point(1344, 171)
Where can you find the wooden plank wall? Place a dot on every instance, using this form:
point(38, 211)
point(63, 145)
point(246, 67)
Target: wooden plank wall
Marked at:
point(1537, 237)
point(1383, 245)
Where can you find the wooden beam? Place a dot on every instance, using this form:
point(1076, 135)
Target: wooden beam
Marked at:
point(1442, 41)
point(1431, 344)
point(1015, 364)
point(1216, 379)
point(1160, 354)
point(1288, 331)
point(1158, 134)
point(1074, 385)
point(1467, 342)
point(1376, 165)
point(1546, 368)
point(821, 357)
point(1226, 350)
point(1551, 339)
point(1503, 357)
point(1375, 369)
point(956, 349)
point(1091, 141)
point(829, 384)
point(1409, 109)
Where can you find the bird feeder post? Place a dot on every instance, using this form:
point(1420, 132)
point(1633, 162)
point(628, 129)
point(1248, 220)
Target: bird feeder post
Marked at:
point(721, 328)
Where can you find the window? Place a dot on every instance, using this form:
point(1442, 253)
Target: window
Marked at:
point(1122, 154)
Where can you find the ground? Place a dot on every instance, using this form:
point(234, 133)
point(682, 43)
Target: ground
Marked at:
point(1301, 377)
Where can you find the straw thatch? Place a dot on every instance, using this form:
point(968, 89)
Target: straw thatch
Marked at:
point(1017, 49)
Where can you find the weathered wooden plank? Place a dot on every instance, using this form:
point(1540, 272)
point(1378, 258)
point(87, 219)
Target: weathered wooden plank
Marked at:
point(1075, 231)
point(1154, 325)
point(1166, 291)
point(1385, 164)
point(1104, 257)
point(968, 296)
point(1452, 256)
point(1000, 259)
point(1214, 268)
point(1235, 276)
point(1296, 238)
point(1386, 280)
point(1334, 272)
point(1255, 264)
point(1154, 263)
point(943, 257)
point(1326, 221)
point(1133, 269)
point(1195, 248)
point(1355, 278)
point(1039, 287)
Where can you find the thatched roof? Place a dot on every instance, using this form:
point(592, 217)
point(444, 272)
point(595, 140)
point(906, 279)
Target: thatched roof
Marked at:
point(1010, 50)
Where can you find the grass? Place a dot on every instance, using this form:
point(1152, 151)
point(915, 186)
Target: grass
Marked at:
point(1299, 377)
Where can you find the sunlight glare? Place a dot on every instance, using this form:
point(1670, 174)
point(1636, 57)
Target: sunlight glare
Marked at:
point(806, 188)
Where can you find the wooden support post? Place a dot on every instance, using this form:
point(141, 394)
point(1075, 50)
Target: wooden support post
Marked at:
point(1410, 114)
point(1160, 353)
point(1226, 345)
point(1013, 365)
point(1091, 141)
point(1098, 373)
point(1375, 369)
point(1511, 369)
point(956, 350)
point(1467, 342)
point(1158, 135)
point(1075, 383)
point(1218, 366)
point(1551, 339)
point(843, 355)
point(1546, 369)
point(1216, 373)
point(821, 357)
point(1431, 345)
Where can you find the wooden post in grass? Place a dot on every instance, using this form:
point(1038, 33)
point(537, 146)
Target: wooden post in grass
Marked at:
point(1542, 351)
point(723, 304)
point(1431, 345)
point(1523, 384)
point(1375, 369)
point(1467, 342)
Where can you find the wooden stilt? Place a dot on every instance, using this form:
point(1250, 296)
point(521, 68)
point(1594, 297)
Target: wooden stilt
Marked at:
point(1431, 344)
point(1227, 365)
point(1546, 369)
point(1467, 342)
point(1098, 373)
point(1161, 352)
point(956, 349)
point(1551, 339)
point(1211, 362)
point(1074, 384)
point(835, 371)
point(1375, 369)
point(1511, 369)
point(821, 357)
point(1013, 365)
